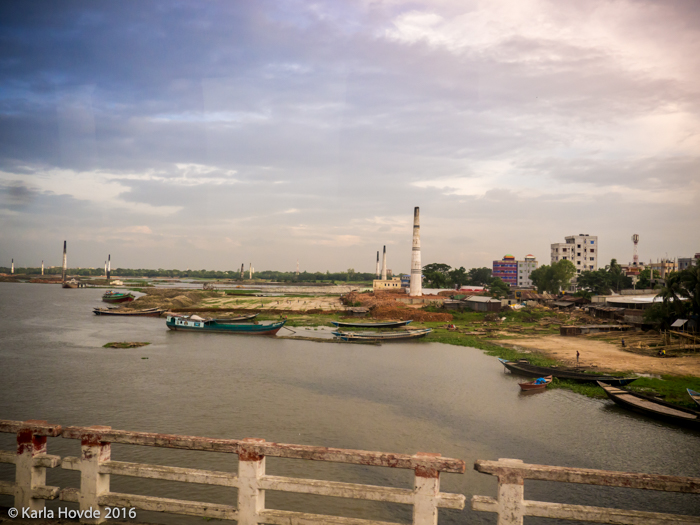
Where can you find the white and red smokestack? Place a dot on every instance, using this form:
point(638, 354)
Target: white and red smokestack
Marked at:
point(109, 265)
point(65, 262)
point(416, 286)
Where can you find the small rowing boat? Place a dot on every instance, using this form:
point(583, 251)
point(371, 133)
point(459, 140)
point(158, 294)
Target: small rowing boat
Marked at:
point(523, 368)
point(117, 297)
point(537, 384)
point(382, 336)
point(194, 323)
point(652, 406)
point(149, 312)
point(695, 395)
point(386, 324)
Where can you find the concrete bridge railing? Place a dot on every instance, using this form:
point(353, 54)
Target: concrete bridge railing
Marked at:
point(511, 505)
point(95, 466)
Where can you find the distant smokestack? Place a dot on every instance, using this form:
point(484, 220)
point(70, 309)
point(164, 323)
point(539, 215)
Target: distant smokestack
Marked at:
point(242, 269)
point(416, 286)
point(105, 269)
point(297, 267)
point(250, 270)
point(42, 267)
point(109, 265)
point(65, 262)
point(384, 264)
point(13, 266)
point(377, 272)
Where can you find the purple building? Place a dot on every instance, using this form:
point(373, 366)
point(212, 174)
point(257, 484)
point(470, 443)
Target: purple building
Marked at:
point(507, 270)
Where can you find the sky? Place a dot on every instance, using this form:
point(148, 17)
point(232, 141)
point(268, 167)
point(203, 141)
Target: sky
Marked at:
point(203, 135)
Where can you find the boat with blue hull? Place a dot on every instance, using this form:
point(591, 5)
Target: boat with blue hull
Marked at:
point(194, 323)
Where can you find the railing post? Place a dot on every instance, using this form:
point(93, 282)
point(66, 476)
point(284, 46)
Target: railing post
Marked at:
point(426, 488)
point(92, 483)
point(251, 499)
point(27, 476)
point(511, 492)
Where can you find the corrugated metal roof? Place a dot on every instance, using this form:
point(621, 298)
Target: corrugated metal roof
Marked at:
point(481, 299)
point(678, 323)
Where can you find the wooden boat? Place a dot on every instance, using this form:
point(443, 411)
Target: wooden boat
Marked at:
point(382, 336)
point(535, 385)
point(117, 297)
point(523, 368)
point(387, 324)
point(150, 312)
point(653, 407)
point(70, 284)
point(194, 323)
point(695, 395)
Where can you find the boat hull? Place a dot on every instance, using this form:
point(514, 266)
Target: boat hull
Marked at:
point(69, 285)
point(117, 298)
point(178, 324)
point(393, 324)
point(382, 336)
point(531, 386)
point(694, 395)
point(144, 313)
point(526, 369)
point(652, 407)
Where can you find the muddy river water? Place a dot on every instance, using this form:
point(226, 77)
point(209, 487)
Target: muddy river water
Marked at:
point(399, 398)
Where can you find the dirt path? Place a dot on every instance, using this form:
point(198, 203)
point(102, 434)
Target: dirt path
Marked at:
point(275, 303)
point(604, 356)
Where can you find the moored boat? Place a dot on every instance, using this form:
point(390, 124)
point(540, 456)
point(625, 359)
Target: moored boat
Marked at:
point(70, 284)
point(653, 407)
point(536, 384)
point(695, 395)
point(117, 297)
point(523, 368)
point(386, 324)
point(194, 323)
point(150, 312)
point(382, 336)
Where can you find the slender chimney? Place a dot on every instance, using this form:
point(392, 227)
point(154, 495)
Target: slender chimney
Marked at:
point(105, 269)
point(250, 270)
point(109, 265)
point(42, 267)
point(377, 264)
point(297, 267)
point(384, 264)
point(416, 286)
point(65, 263)
point(242, 269)
point(13, 266)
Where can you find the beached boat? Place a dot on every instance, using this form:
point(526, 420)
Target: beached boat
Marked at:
point(385, 324)
point(117, 297)
point(382, 336)
point(523, 368)
point(70, 284)
point(537, 384)
point(194, 323)
point(653, 407)
point(695, 395)
point(149, 312)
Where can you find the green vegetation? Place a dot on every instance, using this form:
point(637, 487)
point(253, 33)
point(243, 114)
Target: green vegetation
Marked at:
point(440, 275)
point(125, 344)
point(681, 298)
point(552, 279)
point(605, 280)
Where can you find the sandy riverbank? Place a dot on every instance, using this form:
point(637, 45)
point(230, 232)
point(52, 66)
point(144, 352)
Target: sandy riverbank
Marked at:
point(604, 356)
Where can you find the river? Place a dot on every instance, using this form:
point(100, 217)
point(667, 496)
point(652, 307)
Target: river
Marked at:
point(400, 398)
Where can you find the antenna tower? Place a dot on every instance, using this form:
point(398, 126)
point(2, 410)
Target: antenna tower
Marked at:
point(635, 257)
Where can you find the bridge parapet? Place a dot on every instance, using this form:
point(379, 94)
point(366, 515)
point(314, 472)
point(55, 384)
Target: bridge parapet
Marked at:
point(96, 466)
point(511, 506)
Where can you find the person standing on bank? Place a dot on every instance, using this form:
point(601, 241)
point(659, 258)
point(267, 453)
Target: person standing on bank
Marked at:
point(577, 356)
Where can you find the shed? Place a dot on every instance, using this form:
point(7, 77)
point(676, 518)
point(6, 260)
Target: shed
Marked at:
point(480, 303)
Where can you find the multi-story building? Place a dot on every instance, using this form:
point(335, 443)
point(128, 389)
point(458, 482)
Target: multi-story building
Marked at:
point(686, 262)
point(581, 249)
point(525, 268)
point(506, 269)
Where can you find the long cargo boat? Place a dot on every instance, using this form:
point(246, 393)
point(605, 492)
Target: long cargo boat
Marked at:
point(524, 368)
point(382, 336)
point(194, 323)
point(387, 324)
point(117, 297)
point(653, 407)
point(694, 395)
point(150, 312)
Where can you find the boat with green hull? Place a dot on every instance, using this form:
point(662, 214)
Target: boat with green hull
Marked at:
point(194, 323)
point(117, 297)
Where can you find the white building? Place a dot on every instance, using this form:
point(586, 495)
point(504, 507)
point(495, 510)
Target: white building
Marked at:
point(525, 268)
point(581, 249)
